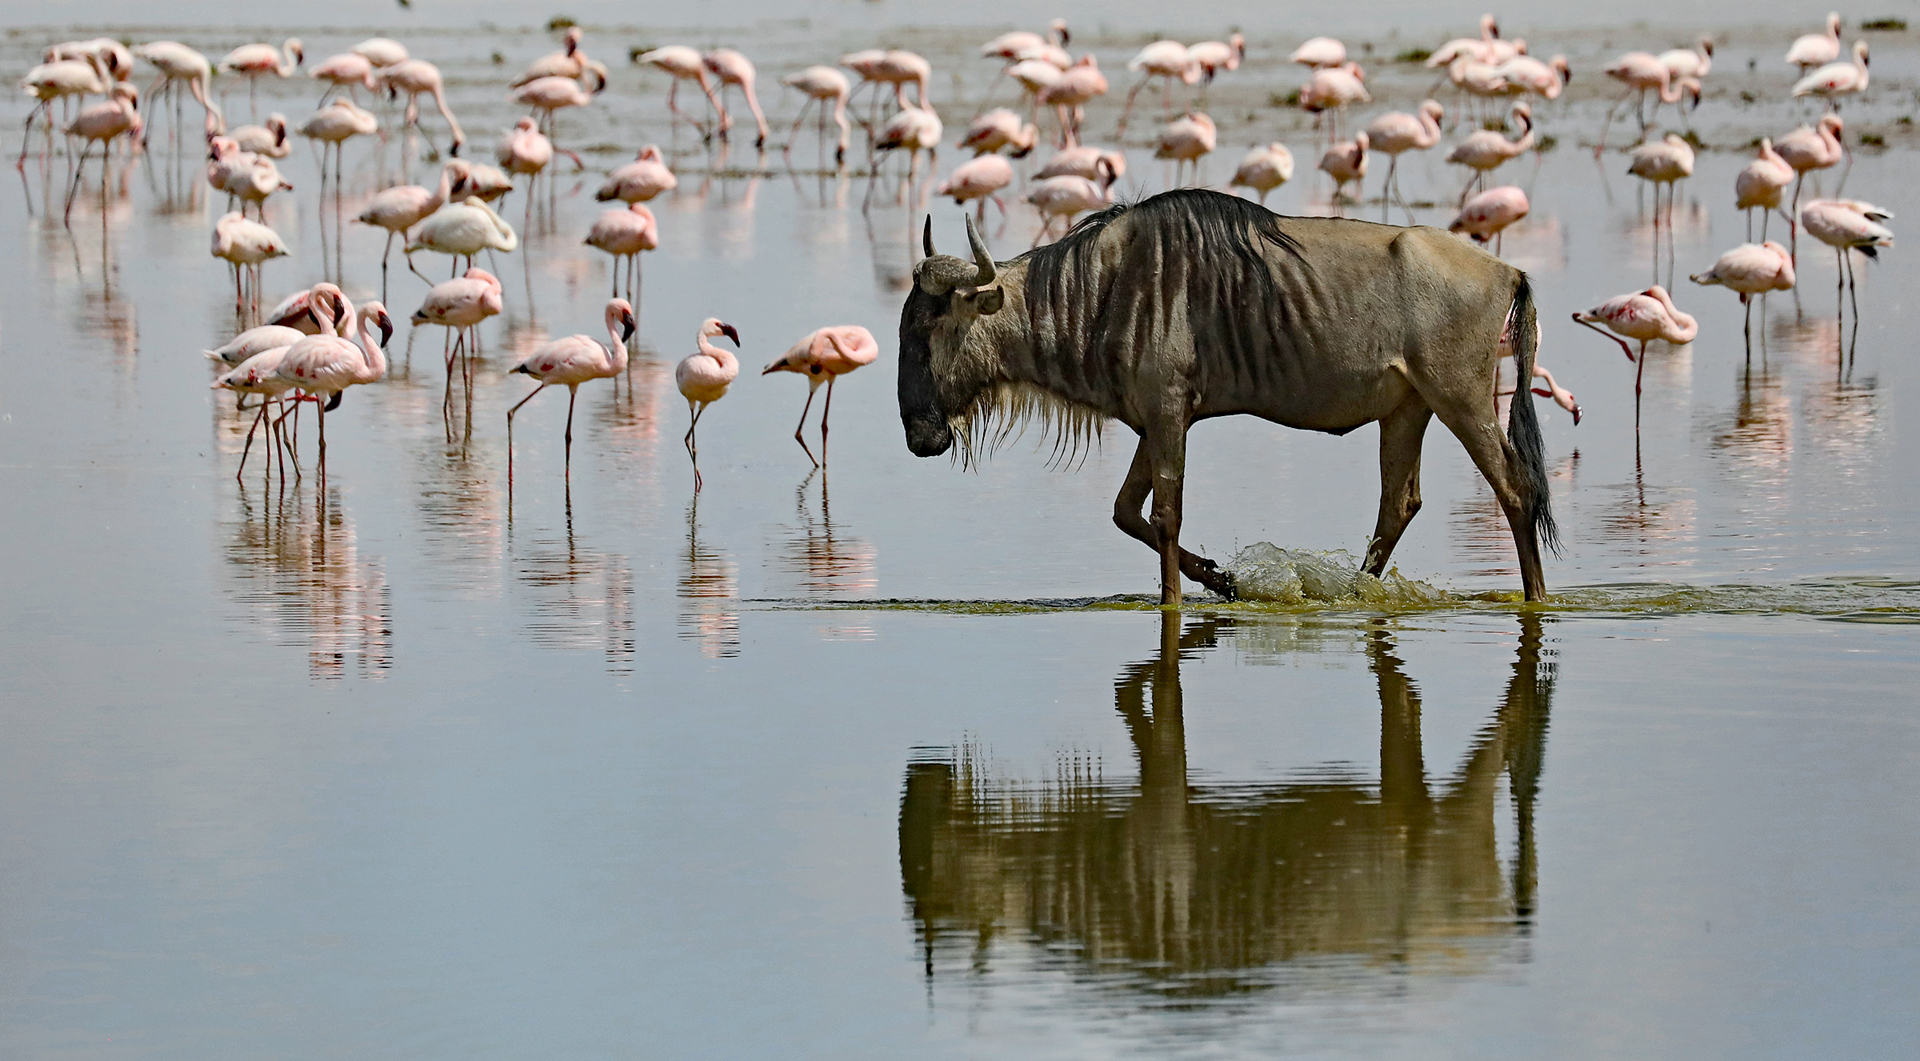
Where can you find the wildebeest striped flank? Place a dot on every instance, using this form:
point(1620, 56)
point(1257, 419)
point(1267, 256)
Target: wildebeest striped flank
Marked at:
point(1193, 304)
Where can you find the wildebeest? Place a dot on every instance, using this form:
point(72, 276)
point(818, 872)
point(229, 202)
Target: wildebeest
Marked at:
point(1194, 304)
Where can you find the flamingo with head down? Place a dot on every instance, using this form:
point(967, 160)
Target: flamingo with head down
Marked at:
point(821, 85)
point(1751, 269)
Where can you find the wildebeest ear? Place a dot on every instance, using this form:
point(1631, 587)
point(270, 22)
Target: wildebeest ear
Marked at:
point(989, 301)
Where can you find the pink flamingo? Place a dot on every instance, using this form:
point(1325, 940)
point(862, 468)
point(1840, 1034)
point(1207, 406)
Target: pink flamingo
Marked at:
point(1665, 161)
point(1187, 139)
point(981, 179)
point(1486, 150)
point(178, 63)
point(914, 129)
point(1095, 164)
point(1524, 73)
point(1166, 60)
point(1484, 48)
point(1809, 148)
point(1264, 169)
point(487, 183)
point(102, 124)
point(326, 365)
point(114, 57)
point(1751, 269)
point(416, 78)
point(333, 125)
point(1069, 195)
point(300, 311)
point(1021, 47)
point(1333, 89)
point(1692, 62)
point(821, 84)
point(1346, 161)
point(1761, 184)
point(269, 138)
point(825, 355)
point(901, 68)
point(60, 79)
point(1000, 128)
point(460, 305)
point(1023, 44)
point(640, 180)
point(255, 61)
point(1643, 72)
point(399, 208)
point(1835, 81)
point(1397, 132)
point(253, 341)
point(1642, 316)
point(682, 63)
point(1034, 76)
point(1211, 57)
point(572, 361)
point(345, 70)
point(1560, 395)
point(525, 150)
point(546, 95)
point(1487, 215)
point(703, 378)
point(252, 179)
point(625, 234)
point(1816, 49)
point(733, 68)
point(381, 52)
point(1069, 96)
point(1317, 52)
point(260, 374)
point(569, 62)
point(1844, 225)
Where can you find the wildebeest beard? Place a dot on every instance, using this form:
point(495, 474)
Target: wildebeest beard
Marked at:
point(982, 413)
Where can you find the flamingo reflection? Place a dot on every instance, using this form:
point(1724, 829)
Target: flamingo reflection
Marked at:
point(303, 580)
point(709, 594)
point(580, 599)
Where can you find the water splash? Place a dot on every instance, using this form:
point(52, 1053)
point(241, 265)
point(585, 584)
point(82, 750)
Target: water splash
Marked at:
point(1265, 572)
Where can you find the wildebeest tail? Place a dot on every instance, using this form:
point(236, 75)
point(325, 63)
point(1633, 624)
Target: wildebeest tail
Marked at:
point(1523, 423)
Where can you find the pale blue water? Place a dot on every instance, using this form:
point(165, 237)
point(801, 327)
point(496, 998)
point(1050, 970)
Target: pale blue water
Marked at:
point(400, 772)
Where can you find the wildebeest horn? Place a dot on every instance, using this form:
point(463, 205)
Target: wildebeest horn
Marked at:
point(926, 237)
point(980, 255)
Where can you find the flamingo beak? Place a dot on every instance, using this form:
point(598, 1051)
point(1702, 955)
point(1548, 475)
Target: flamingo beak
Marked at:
point(730, 332)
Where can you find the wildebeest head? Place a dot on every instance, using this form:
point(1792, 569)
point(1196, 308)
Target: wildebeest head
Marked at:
point(949, 294)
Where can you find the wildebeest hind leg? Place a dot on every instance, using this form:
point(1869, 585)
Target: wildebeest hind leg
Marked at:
point(1401, 433)
point(1499, 462)
point(1127, 516)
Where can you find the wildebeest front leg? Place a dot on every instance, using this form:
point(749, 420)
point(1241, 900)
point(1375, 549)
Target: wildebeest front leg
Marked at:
point(1401, 433)
point(1127, 515)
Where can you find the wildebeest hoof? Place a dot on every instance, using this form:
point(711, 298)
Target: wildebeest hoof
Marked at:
point(1216, 578)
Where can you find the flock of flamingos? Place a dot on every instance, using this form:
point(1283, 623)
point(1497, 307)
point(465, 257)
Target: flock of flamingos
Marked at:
point(316, 344)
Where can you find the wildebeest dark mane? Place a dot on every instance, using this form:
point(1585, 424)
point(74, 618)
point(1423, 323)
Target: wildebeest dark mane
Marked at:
point(1204, 248)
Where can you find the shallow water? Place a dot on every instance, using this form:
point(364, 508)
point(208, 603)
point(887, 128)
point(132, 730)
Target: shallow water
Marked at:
point(905, 757)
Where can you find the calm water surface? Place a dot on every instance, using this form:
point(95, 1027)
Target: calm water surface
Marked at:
point(894, 760)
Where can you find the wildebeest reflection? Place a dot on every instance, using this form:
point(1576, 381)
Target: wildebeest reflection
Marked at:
point(1210, 889)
